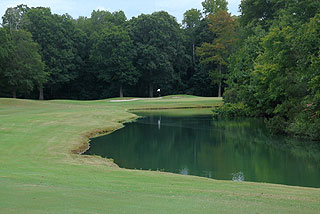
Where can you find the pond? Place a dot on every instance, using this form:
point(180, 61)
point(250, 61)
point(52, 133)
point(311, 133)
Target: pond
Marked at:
point(239, 150)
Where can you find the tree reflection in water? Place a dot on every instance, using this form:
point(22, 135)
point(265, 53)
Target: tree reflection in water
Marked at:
point(219, 149)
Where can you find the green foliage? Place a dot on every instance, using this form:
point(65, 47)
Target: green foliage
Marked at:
point(6, 49)
point(102, 19)
point(307, 122)
point(24, 68)
point(191, 18)
point(56, 36)
point(163, 53)
point(200, 83)
point(241, 66)
point(275, 68)
point(158, 41)
point(191, 21)
point(212, 7)
point(112, 55)
point(203, 32)
point(277, 125)
point(12, 18)
point(229, 110)
point(257, 12)
point(217, 52)
point(231, 95)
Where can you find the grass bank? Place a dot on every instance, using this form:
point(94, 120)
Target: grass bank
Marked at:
point(39, 173)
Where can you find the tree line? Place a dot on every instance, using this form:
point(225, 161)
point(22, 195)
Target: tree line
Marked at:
point(265, 62)
point(54, 56)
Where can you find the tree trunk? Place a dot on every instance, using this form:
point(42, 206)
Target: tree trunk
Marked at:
point(150, 89)
point(193, 54)
point(41, 97)
point(14, 93)
point(219, 91)
point(121, 91)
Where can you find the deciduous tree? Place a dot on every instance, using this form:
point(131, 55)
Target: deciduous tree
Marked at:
point(158, 41)
point(217, 52)
point(191, 20)
point(13, 17)
point(56, 36)
point(24, 69)
point(113, 55)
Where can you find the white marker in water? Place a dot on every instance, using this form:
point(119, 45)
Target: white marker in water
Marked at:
point(159, 123)
point(158, 90)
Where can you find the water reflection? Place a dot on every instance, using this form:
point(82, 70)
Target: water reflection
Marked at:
point(229, 150)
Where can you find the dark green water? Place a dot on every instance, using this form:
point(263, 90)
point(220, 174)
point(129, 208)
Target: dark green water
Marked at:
point(224, 149)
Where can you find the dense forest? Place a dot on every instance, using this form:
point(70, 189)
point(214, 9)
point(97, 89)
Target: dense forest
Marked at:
point(103, 56)
point(264, 62)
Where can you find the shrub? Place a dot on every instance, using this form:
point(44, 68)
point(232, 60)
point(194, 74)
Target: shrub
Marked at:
point(307, 123)
point(231, 96)
point(276, 125)
point(229, 110)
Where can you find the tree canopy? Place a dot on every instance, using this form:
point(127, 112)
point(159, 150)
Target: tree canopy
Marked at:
point(158, 43)
point(23, 68)
point(212, 7)
point(112, 55)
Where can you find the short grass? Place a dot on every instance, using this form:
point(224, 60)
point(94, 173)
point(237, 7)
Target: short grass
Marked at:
point(39, 173)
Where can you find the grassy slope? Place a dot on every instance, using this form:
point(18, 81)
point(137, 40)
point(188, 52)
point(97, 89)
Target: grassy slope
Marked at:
point(39, 174)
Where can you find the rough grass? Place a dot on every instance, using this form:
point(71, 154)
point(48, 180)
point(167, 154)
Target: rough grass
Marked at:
point(39, 173)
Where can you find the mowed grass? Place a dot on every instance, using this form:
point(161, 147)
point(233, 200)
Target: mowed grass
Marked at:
point(39, 173)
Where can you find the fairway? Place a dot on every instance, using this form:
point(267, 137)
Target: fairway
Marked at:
point(42, 172)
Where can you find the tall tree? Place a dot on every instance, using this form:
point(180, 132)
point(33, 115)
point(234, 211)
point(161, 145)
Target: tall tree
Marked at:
point(191, 20)
point(6, 50)
point(24, 69)
point(56, 36)
point(157, 38)
point(217, 52)
point(101, 19)
point(89, 84)
point(13, 17)
point(241, 65)
point(112, 55)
